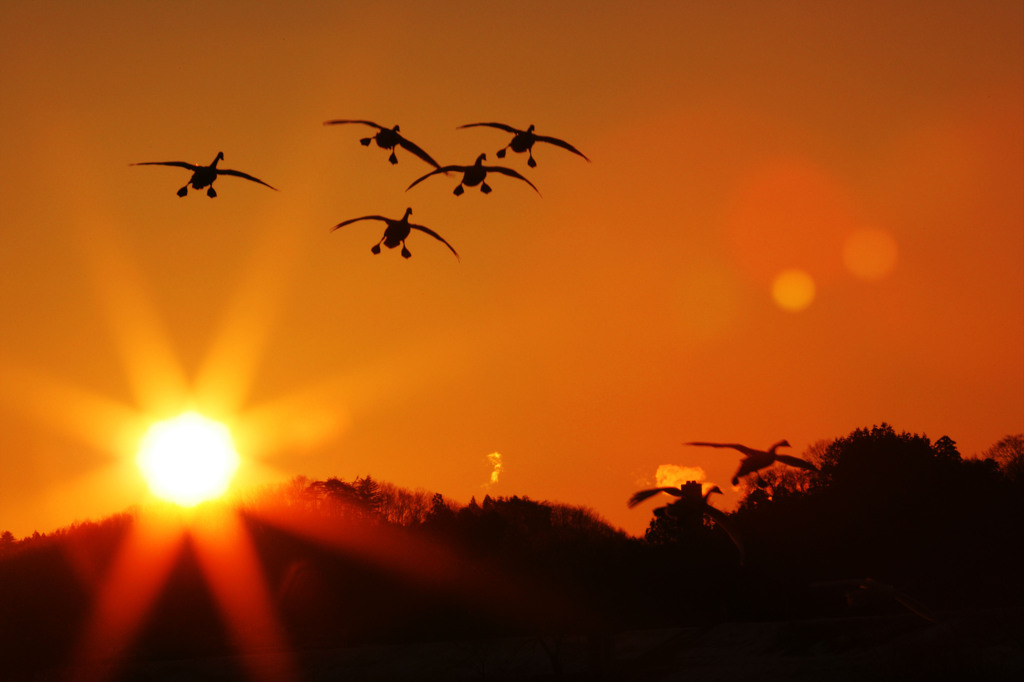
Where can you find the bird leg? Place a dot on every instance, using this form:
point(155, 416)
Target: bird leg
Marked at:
point(393, 159)
point(501, 153)
point(485, 188)
point(405, 252)
point(458, 190)
point(183, 191)
point(375, 249)
point(366, 141)
point(211, 192)
point(530, 162)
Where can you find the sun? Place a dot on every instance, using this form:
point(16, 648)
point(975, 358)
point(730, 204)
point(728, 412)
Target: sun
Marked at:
point(188, 459)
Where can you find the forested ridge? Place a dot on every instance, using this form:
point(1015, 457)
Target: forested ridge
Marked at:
point(890, 524)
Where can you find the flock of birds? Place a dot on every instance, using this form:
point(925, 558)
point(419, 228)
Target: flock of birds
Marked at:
point(390, 139)
point(690, 498)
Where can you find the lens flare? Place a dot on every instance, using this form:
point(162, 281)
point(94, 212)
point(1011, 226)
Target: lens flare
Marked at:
point(188, 459)
point(793, 290)
point(870, 253)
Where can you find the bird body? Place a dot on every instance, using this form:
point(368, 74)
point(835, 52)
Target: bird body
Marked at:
point(523, 141)
point(474, 175)
point(396, 232)
point(203, 176)
point(388, 138)
point(755, 460)
point(691, 499)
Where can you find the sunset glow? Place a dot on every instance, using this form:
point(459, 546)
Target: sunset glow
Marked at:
point(775, 203)
point(188, 459)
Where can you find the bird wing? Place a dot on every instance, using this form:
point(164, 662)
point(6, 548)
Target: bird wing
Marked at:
point(240, 174)
point(642, 495)
point(795, 462)
point(560, 143)
point(353, 120)
point(343, 223)
point(722, 521)
point(500, 126)
point(510, 173)
point(735, 446)
point(415, 149)
point(179, 164)
point(436, 236)
point(442, 169)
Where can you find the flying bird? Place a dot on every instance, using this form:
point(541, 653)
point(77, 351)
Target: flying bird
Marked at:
point(203, 176)
point(691, 499)
point(680, 491)
point(388, 138)
point(396, 232)
point(474, 175)
point(755, 460)
point(523, 141)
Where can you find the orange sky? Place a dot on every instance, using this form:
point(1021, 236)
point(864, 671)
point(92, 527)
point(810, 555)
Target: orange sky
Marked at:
point(876, 149)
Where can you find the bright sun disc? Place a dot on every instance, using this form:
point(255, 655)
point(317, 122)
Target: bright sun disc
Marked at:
point(188, 459)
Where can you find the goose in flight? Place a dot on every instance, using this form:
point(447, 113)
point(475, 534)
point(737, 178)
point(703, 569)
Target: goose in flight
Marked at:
point(203, 176)
point(474, 175)
point(680, 491)
point(690, 497)
point(388, 138)
point(755, 460)
point(523, 140)
point(396, 232)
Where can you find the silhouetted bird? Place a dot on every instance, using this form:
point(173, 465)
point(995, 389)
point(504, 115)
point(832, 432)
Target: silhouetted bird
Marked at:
point(755, 460)
point(523, 140)
point(203, 176)
point(680, 491)
point(691, 499)
point(388, 138)
point(396, 232)
point(869, 588)
point(474, 175)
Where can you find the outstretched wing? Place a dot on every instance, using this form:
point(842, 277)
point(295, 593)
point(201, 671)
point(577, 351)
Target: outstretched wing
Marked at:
point(240, 174)
point(343, 223)
point(642, 495)
point(412, 147)
point(442, 169)
point(499, 126)
point(179, 164)
point(796, 462)
point(722, 521)
point(735, 446)
point(560, 143)
point(510, 173)
point(436, 236)
point(353, 120)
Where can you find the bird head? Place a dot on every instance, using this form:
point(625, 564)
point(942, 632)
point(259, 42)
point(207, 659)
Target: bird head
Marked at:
point(408, 212)
point(481, 158)
point(781, 444)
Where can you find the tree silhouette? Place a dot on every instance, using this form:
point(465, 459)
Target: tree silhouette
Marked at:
point(1009, 455)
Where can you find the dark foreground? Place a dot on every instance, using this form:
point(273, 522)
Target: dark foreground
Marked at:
point(976, 646)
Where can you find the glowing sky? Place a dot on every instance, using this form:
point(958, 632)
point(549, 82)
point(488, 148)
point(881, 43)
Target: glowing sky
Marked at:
point(800, 218)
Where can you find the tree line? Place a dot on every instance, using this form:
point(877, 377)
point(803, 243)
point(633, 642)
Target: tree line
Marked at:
point(887, 515)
